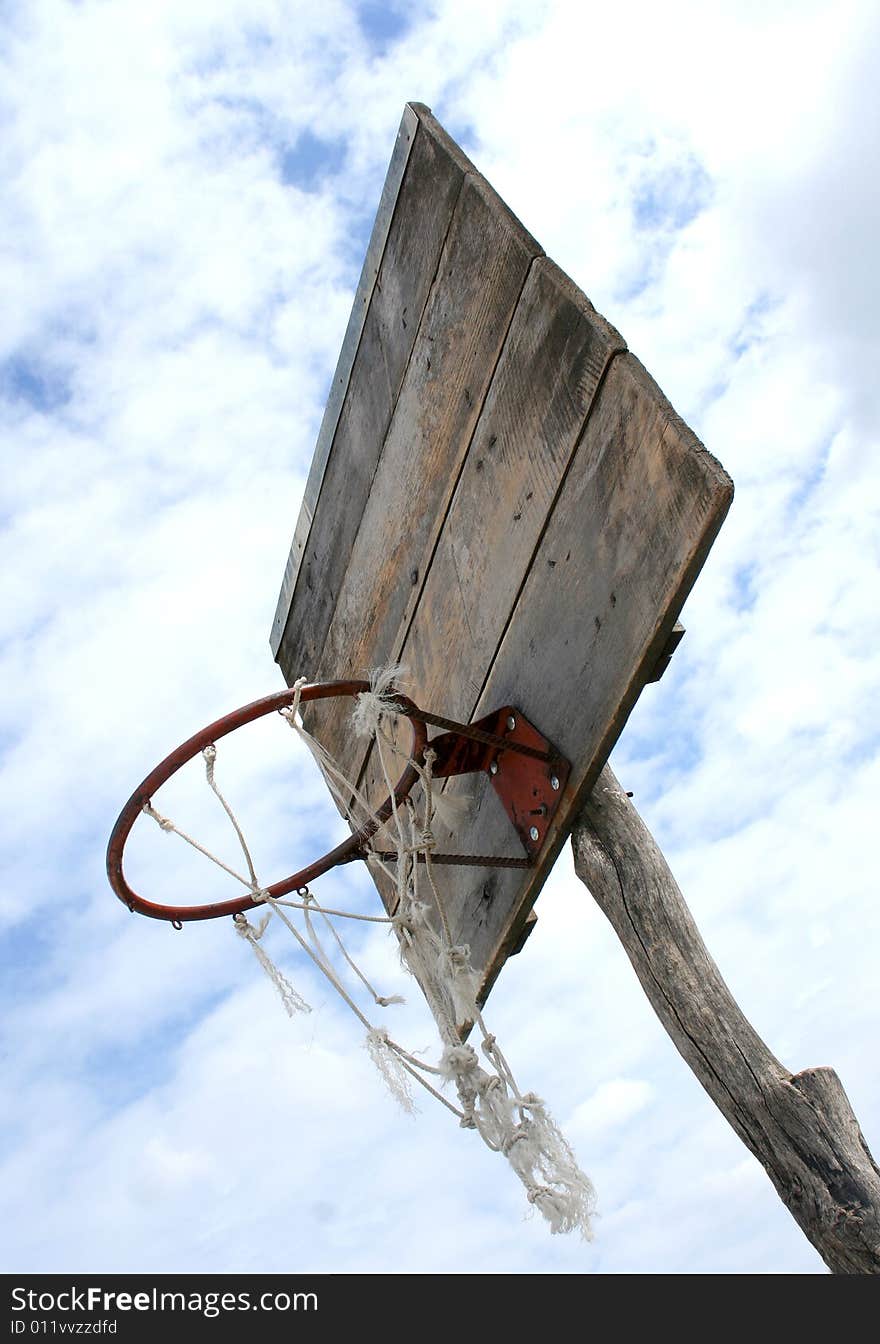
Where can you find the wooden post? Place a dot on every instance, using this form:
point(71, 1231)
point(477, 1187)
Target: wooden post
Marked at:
point(800, 1127)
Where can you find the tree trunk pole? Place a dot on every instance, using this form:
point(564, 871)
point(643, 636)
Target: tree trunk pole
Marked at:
point(800, 1127)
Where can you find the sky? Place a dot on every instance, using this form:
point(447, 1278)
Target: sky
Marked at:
point(187, 193)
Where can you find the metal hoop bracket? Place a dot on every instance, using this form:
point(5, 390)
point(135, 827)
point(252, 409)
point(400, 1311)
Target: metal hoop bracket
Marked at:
point(526, 771)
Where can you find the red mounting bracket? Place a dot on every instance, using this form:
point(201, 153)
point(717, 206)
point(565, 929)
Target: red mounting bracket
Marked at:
point(527, 772)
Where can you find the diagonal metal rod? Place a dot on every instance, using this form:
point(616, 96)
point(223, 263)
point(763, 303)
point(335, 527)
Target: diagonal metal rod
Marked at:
point(480, 735)
point(459, 860)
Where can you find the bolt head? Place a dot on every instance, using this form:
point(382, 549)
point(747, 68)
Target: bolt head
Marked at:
point(511, 722)
point(533, 832)
point(554, 781)
point(493, 768)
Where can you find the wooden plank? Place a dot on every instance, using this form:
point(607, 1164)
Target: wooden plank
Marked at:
point(672, 643)
point(508, 504)
point(444, 139)
point(341, 378)
point(421, 218)
point(481, 275)
point(638, 511)
point(555, 355)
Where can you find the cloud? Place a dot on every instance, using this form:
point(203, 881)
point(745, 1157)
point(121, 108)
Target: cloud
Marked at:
point(187, 195)
point(611, 1106)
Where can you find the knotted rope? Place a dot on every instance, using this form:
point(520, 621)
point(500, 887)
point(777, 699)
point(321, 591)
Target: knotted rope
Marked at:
point(510, 1122)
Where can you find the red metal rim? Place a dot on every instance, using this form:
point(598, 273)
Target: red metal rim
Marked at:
point(349, 849)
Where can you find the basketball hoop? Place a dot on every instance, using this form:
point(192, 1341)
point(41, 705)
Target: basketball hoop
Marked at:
point(351, 848)
point(529, 793)
point(529, 776)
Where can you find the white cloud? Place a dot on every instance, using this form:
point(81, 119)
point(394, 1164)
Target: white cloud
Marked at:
point(173, 311)
point(611, 1106)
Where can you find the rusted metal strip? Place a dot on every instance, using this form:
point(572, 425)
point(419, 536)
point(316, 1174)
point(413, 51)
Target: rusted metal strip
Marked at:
point(458, 860)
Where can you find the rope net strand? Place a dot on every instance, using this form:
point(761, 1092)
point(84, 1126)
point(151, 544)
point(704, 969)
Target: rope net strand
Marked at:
point(509, 1121)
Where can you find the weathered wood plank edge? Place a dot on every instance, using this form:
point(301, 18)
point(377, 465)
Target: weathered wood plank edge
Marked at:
point(458, 156)
point(399, 646)
point(618, 347)
point(414, 114)
point(642, 674)
point(580, 300)
point(518, 930)
point(347, 356)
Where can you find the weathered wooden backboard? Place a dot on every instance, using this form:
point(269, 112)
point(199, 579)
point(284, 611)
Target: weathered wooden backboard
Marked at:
point(501, 499)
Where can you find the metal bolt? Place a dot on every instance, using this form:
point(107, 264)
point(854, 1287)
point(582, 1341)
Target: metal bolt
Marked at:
point(554, 781)
point(511, 722)
point(533, 832)
point(493, 768)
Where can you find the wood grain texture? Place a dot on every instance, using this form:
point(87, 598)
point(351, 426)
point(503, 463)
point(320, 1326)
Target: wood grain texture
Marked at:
point(629, 530)
point(510, 507)
point(425, 174)
point(554, 357)
point(481, 274)
point(555, 354)
point(800, 1127)
point(339, 386)
point(421, 219)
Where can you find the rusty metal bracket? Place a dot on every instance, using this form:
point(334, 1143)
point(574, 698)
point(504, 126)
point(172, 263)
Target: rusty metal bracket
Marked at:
point(527, 772)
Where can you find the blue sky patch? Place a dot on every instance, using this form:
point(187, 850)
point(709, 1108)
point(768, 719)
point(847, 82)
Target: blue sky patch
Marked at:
point(27, 378)
point(811, 478)
point(751, 329)
point(124, 1071)
point(680, 753)
point(744, 593)
point(669, 198)
point(25, 967)
point(635, 285)
point(311, 159)
point(383, 24)
point(665, 199)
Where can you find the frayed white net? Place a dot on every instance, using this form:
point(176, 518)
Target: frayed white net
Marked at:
point(509, 1121)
